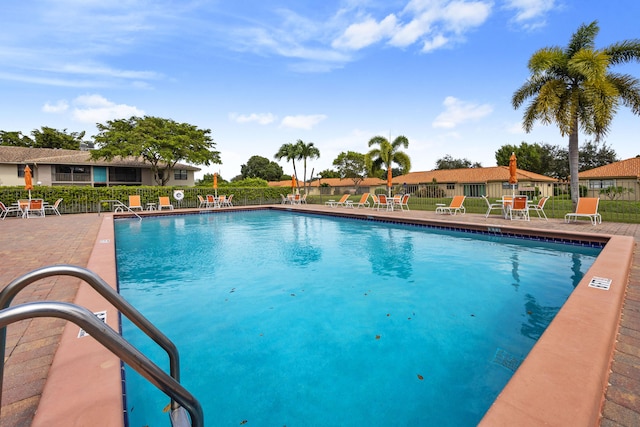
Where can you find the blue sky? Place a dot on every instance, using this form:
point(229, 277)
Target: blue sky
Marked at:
point(263, 73)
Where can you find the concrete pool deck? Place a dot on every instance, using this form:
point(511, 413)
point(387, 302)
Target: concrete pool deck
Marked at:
point(71, 239)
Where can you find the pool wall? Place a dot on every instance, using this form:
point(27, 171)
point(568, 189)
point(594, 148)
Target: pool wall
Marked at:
point(561, 382)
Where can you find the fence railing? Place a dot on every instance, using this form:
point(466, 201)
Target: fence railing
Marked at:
point(621, 204)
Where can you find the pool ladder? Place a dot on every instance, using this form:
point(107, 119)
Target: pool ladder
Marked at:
point(181, 399)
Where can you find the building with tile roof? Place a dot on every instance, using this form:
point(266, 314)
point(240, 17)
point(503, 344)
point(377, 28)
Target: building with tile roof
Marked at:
point(624, 174)
point(51, 167)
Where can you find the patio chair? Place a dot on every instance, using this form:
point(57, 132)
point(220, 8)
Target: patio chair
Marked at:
point(203, 202)
point(492, 206)
point(163, 202)
point(587, 208)
point(340, 202)
point(539, 207)
point(404, 202)
point(211, 201)
point(134, 202)
point(382, 201)
point(229, 202)
point(303, 199)
point(6, 210)
point(284, 200)
point(364, 201)
point(222, 200)
point(34, 209)
point(457, 205)
point(376, 201)
point(54, 207)
point(519, 208)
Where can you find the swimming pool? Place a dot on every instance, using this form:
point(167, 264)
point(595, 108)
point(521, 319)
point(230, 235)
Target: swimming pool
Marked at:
point(292, 319)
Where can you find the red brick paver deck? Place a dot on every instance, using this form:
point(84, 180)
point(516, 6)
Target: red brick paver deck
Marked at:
point(29, 244)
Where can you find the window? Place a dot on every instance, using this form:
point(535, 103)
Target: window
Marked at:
point(129, 175)
point(598, 184)
point(21, 170)
point(180, 175)
point(451, 186)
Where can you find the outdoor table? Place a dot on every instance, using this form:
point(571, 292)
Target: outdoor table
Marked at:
point(151, 206)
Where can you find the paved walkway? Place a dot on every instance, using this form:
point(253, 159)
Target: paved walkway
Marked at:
point(29, 244)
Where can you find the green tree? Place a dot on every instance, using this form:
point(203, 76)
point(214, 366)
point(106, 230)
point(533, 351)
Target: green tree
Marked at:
point(386, 154)
point(15, 139)
point(291, 153)
point(261, 167)
point(53, 138)
point(351, 165)
point(592, 155)
point(160, 142)
point(329, 173)
point(306, 151)
point(448, 162)
point(573, 88)
point(529, 156)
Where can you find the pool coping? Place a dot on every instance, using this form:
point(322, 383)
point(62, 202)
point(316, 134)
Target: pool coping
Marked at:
point(566, 389)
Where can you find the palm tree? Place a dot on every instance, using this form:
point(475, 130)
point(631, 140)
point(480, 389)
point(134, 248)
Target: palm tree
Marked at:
point(387, 154)
point(290, 151)
point(306, 151)
point(573, 88)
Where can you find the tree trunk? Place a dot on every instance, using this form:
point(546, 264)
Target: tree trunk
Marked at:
point(574, 164)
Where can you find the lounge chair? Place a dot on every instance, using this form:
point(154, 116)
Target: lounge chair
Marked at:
point(229, 202)
point(222, 200)
point(340, 202)
point(519, 208)
point(457, 205)
point(492, 206)
point(303, 199)
point(163, 202)
point(539, 207)
point(404, 202)
point(364, 201)
point(587, 208)
point(34, 209)
point(203, 202)
point(134, 202)
point(6, 210)
point(54, 207)
point(375, 201)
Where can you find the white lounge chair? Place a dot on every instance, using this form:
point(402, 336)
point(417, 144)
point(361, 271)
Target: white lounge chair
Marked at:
point(340, 202)
point(6, 210)
point(587, 208)
point(492, 206)
point(54, 207)
point(457, 205)
point(539, 207)
point(364, 201)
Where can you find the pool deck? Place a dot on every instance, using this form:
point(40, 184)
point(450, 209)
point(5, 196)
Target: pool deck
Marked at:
point(70, 239)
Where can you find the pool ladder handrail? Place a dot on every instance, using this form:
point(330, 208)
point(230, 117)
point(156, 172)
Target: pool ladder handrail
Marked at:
point(120, 205)
point(106, 336)
point(104, 289)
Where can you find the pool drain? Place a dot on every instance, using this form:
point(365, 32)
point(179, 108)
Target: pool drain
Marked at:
point(506, 360)
point(101, 315)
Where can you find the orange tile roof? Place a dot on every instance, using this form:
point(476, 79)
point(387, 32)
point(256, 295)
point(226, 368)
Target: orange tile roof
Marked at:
point(629, 168)
point(469, 175)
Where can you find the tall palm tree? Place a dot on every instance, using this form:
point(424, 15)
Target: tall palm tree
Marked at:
point(386, 154)
point(573, 88)
point(290, 151)
point(306, 151)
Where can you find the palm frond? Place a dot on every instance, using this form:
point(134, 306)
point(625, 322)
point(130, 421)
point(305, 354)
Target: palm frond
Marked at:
point(583, 38)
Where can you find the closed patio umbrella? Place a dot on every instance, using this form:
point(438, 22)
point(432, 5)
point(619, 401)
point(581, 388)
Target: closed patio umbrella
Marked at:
point(513, 168)
point(28, 180)
point(215, 184)
point(294, 183)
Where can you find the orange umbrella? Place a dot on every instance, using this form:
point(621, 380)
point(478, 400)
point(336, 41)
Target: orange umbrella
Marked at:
point(28, 181)
point(513, 168)
point(294, 183)
point(215, 183)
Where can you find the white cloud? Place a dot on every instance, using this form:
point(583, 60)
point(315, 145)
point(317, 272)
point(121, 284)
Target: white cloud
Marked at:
point(457, 112)
point(260, 118)
point(435, 43)
point(59, 107)
point(530, 13)
point(365, 33)
point(302, 122)
point(97, 109)
point(515, 128)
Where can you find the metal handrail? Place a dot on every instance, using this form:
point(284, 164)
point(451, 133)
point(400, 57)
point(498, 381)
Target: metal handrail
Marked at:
point(104, 289)
point(119, 204)
point(106, 336)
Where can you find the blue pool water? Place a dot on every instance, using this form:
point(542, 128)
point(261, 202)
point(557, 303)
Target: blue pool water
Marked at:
point(285, 319)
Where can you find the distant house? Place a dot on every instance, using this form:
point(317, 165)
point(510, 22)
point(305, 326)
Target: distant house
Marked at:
point(472, 182)
point(52, 167)
point(476, 182)
point(625, 173)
